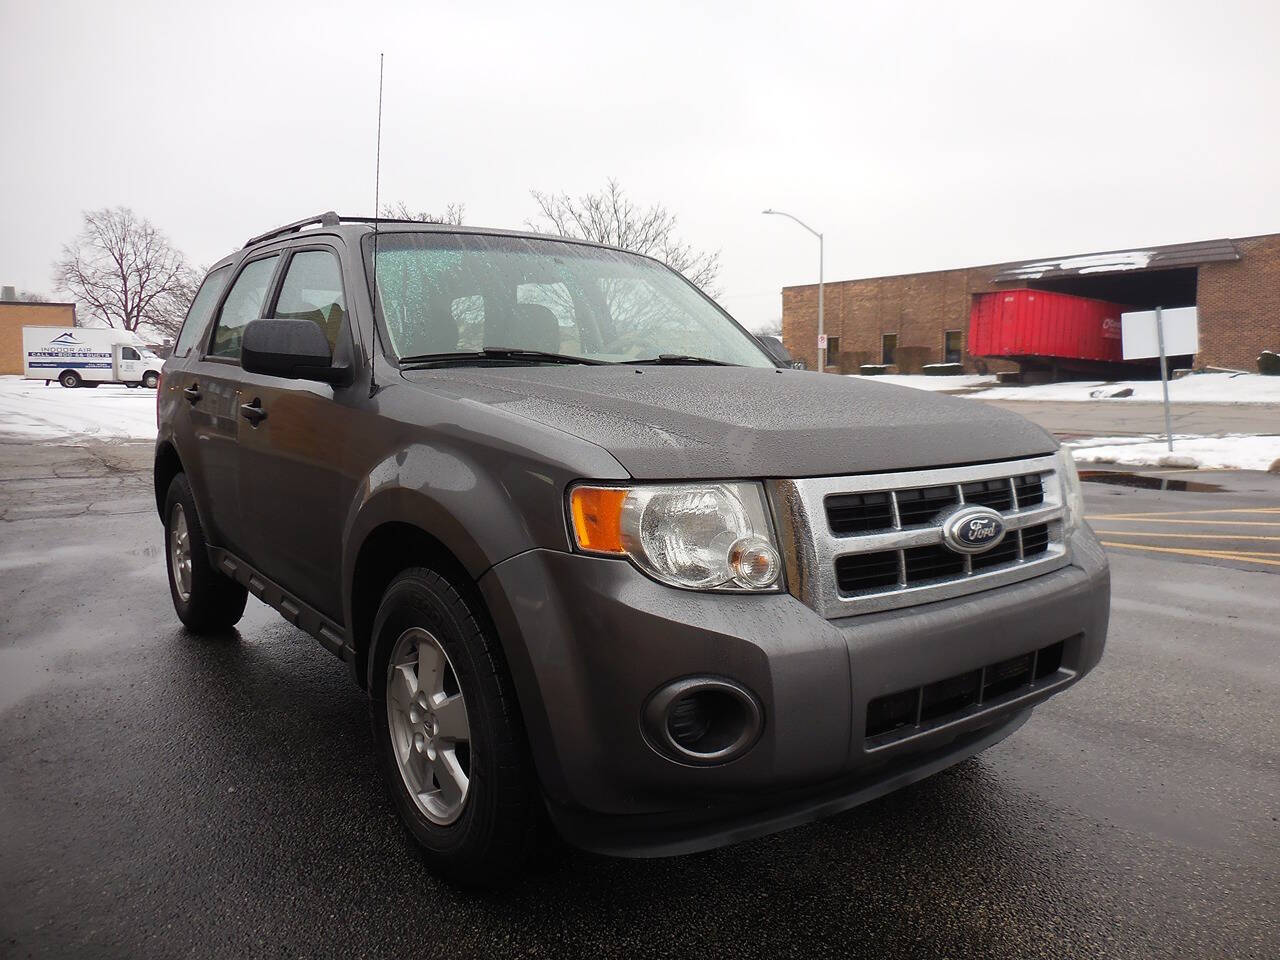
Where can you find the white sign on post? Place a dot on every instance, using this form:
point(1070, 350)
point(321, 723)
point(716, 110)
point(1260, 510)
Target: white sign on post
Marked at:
point(822, 342)
point(1160, 333)
point(1140, 340)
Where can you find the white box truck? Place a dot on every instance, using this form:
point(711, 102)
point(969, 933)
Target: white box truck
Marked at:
point(88, 356)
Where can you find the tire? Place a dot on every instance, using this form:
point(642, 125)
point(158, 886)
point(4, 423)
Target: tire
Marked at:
point(206, 600)
point(151, 379)
point(69, 379)
point(485, 837)
point(132, 386)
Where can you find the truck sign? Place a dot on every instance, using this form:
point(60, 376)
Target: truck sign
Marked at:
point(78, 356)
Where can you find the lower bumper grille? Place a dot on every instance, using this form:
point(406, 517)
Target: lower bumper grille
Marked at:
point(907, 712)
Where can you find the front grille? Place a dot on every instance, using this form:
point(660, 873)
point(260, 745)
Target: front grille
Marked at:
point(874, 542)
point(1035, 540)
point(872, 571)
point(922, 506)
point(902, 714)
point(859, 513)
point(1030, 489)
point(996, 494)
point(931, 563)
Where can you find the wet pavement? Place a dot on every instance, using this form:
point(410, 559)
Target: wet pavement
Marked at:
point(163, 795)
point(1219, 517)
point(1075, 419)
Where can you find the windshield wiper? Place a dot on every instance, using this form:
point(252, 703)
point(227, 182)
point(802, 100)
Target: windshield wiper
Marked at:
point(516, 354)
point(678, 360)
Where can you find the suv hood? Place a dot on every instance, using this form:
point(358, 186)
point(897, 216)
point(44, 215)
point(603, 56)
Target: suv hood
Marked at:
point(687, 422)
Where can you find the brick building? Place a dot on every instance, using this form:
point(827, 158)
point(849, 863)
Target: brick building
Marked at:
point(16, 314)
point(920, 318)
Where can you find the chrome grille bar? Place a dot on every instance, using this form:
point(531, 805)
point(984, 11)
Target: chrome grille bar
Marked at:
point(813, 549)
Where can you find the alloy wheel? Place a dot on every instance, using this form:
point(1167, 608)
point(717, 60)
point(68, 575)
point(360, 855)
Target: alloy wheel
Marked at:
point(180, 552)
point(428, 722)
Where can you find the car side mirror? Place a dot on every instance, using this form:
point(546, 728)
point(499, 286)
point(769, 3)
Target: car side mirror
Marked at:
point(297, 349)
point(774, 348)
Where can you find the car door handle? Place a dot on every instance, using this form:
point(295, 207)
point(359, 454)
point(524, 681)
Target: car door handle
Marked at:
point(253, 412)
point(192, 392)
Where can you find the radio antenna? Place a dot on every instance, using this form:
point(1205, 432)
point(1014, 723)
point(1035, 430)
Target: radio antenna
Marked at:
point(377, 213)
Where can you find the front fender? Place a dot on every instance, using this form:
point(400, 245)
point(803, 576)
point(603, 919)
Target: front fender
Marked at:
point(483, 505)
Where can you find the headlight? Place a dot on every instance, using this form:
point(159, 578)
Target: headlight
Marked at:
point(1072, 493)
point(699, 536)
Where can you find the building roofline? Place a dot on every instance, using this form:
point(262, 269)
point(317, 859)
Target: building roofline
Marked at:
point(1015, 263)
point(36, 303)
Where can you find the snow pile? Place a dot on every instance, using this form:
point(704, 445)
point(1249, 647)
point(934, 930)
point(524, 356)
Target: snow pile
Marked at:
point(1093, 263)
point(109, 412)
point(1196, 388)
point(1232, 452)
point(936, 384)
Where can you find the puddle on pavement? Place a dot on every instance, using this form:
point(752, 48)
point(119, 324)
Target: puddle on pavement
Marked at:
point(1141, 482)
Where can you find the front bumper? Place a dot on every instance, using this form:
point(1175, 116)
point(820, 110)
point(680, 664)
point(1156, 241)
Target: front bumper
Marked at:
point(589, 640)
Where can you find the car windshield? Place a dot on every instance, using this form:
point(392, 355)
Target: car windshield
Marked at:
point(457, 293)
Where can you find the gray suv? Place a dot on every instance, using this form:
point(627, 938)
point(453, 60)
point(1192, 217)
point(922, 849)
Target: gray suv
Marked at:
point(603, 565)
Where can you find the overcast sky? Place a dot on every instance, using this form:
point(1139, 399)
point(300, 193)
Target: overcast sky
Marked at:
point(917, 136)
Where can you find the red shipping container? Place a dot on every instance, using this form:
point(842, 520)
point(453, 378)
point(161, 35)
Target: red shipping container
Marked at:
point(1037, 323)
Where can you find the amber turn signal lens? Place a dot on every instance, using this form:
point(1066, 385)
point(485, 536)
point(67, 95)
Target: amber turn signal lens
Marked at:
point(597, 518)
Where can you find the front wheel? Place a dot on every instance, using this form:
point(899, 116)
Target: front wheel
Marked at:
point(151, 379)
point(205, 599)
point(450, 742)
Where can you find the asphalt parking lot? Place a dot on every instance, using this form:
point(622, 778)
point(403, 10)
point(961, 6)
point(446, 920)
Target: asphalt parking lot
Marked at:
point(163, 795)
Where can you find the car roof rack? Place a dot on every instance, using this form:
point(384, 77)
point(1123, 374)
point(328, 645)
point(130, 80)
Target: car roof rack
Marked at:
point(328, 219)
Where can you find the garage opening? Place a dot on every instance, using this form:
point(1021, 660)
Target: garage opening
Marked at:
point(1141, 290)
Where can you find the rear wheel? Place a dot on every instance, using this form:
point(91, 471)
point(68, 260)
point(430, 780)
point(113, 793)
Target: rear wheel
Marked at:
point(451, 745)
point(206, 600)
point(151, 379)
point(69, 379)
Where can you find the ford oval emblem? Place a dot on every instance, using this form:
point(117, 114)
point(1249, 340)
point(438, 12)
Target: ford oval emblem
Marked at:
point(973, 529)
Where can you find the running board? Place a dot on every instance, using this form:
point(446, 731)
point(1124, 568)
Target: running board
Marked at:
point(331, 636)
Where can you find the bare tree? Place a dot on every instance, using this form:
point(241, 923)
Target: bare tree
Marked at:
point(125, 272)
point(453, 213)
point(610, 216)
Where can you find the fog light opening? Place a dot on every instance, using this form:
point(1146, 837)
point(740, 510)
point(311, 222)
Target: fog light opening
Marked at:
point(703, 720)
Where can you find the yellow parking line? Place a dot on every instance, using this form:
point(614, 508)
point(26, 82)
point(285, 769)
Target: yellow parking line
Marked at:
point(1191, 513)
point(1210, 554)
point(1213, 523)
point(1189, 536)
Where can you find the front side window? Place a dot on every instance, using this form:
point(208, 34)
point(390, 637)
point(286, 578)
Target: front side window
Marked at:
point(443, 293)
point(312, 290)
point(128, 353)
point(201, 310)
point(243, 305)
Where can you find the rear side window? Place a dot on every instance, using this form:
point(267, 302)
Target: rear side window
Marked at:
point(243, 305)
point(201, 310)
point(312, 290)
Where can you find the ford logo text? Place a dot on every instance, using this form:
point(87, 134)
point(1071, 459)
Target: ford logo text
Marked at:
point(973, 529)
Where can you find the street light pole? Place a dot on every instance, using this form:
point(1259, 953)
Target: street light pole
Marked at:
point(822, 350)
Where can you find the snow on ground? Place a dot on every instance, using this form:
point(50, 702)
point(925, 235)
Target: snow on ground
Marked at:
point(1232, 452)
point(29, 409)
point(1195, 388)
point(935, 384)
